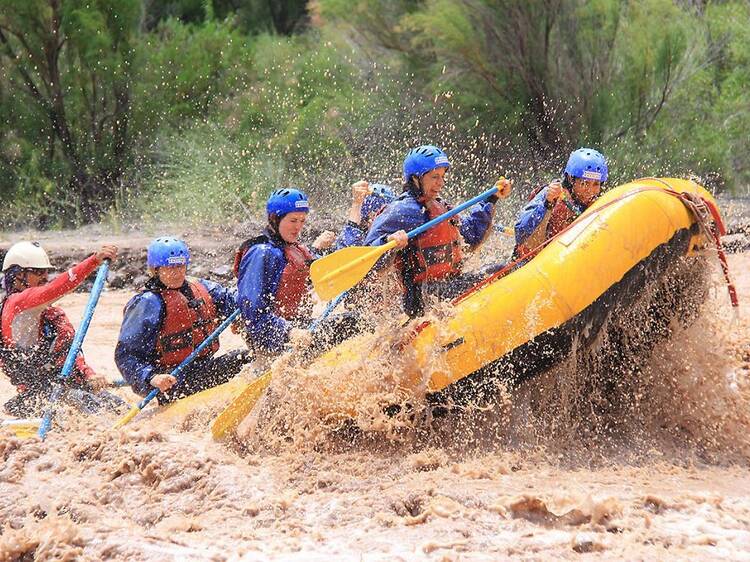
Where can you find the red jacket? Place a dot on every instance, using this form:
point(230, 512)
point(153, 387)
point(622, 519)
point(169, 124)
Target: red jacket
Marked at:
point(35, 336)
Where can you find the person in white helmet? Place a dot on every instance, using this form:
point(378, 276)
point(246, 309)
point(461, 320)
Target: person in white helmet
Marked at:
point(35, 336)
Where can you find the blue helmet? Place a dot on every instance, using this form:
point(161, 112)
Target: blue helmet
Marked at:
point(381, 195)
point(167, 251)
point(588, 164)
point(422, 159)
point(287, 200)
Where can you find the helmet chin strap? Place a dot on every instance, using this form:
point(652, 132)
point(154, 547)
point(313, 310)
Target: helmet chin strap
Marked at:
point(569, 183)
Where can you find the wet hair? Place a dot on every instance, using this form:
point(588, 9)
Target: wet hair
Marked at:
point(153, 283)
point(9, 279)
point(7, 282)
point(273, 231)
point(410, 186)
point(274, 220)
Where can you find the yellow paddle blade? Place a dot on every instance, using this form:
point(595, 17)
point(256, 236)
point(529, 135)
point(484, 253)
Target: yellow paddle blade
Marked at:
point(127, 417)
point(340, 271)
point(23, 429)
point(212, 399)
point(240, 407)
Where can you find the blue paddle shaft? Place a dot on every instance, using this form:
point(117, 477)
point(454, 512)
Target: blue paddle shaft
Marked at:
point(454, 211)
point(177, 371)
point(215, 334)
point(189, 359)
point(75, 347)
point(331, 305)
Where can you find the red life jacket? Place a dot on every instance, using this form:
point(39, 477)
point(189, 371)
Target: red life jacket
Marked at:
point(39, 366)
point(293, 283)
point(436, 254)
point(563, 214)
point(187, 322)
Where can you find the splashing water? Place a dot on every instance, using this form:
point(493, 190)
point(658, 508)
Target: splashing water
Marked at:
point(586, 458)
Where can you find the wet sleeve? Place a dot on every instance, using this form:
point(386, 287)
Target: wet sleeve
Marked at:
point(350, 235)
point(399, 215)
point(135, 353)
point(57, 288)
point(224, 299)
point(474, 226)
point(530, 217)
point(259, 277)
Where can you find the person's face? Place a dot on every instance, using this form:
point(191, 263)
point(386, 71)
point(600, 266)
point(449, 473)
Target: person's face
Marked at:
point(432, 183)
point(291, 226)
point(35, 277)
point(172, 276)
point(586, 190)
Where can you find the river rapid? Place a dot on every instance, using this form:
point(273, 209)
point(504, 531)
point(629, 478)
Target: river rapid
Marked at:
point(666, 478)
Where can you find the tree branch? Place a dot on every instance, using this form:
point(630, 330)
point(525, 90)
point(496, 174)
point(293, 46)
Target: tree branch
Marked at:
point(27, 79)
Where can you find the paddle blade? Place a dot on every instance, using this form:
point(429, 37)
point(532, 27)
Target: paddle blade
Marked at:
point(127, 417)
point(23, 429)
point(340, 271)
point(240, 407)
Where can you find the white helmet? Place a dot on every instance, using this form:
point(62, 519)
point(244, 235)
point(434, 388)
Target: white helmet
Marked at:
point(26, 255)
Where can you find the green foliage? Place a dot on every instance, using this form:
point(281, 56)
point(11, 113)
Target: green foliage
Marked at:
point(306, 96)
point(205, 175)
point(270, 16)
point(295, 124)
point(168, 105)
point(250, 16)
point(67, 68)
point(621, 76)
point(729, 35)
point(184, 70)
point(187, 11)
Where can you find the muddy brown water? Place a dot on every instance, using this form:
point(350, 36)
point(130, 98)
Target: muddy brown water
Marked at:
point(680, 491)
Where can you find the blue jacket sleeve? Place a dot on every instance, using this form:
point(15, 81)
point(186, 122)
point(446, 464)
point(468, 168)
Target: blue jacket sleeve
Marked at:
point(530, 217)
point(224, 299)
point(258, 280)
point(350, 236)
point(135, 353)
point(403, 214)
point(474, 227)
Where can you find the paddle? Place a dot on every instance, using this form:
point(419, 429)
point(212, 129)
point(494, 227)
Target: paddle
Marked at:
point(177, 371)
point(340, 271)
point(241, 406)
point(75, 347)
point(22, 428)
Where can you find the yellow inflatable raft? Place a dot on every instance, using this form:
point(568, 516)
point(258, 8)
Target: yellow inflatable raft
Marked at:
point(521, 323)
point(515, 325)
